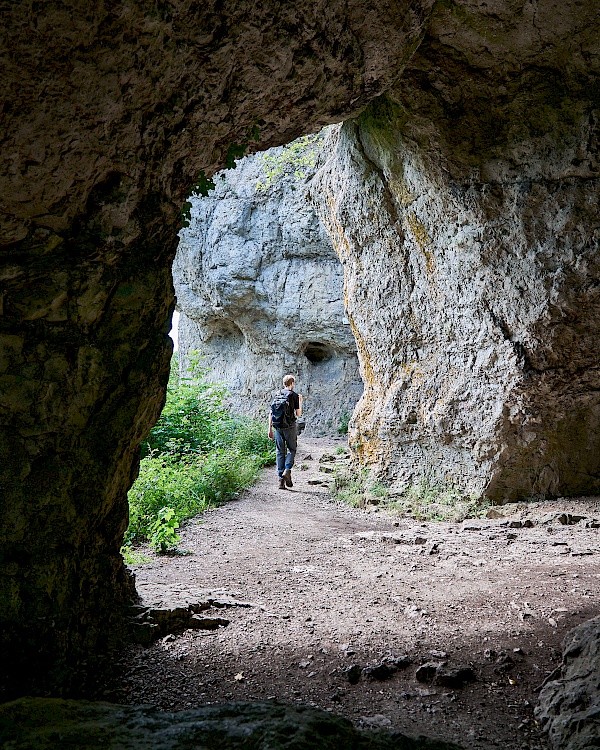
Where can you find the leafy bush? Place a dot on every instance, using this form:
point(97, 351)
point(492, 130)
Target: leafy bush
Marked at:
point(164, 534)
point(344, 422)
point(197, 456)
point(192, 419)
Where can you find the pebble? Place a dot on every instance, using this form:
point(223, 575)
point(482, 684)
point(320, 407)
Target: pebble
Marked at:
point(378, 721)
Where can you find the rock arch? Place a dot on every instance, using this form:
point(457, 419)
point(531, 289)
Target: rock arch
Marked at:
point(110, 113)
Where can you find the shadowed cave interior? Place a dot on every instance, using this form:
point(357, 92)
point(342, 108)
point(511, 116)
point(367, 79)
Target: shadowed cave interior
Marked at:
point(458, 190)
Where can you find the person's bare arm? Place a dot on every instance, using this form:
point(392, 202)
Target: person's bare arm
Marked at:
point(299, 411)
point(271, 426)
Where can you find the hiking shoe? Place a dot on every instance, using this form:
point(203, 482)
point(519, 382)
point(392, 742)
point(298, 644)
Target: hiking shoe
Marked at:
point(281, 483)
point(287, 476)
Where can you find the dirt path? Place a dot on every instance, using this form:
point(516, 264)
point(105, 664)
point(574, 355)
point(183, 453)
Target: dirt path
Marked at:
point(331, 587)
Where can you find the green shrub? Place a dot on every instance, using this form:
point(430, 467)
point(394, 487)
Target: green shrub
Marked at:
point(197, 456)
point(192, 418)
point(344, 422)
point(164, 535)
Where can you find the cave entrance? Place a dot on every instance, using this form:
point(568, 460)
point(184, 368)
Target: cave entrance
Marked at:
point(317, 352)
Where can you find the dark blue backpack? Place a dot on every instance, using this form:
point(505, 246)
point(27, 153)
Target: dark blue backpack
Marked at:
point(282, 412)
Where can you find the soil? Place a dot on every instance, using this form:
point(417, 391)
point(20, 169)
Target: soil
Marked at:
point(317, 587)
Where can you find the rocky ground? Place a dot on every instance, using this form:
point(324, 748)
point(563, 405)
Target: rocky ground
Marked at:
point(463, 622)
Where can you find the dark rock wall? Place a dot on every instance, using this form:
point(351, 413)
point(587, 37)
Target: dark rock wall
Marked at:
point(569, 708)
point(109, 112)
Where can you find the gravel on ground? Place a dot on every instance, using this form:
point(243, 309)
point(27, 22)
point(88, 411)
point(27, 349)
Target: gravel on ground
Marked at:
point(440, 629)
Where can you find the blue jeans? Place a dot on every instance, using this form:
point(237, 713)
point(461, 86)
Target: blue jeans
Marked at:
point(286, 441)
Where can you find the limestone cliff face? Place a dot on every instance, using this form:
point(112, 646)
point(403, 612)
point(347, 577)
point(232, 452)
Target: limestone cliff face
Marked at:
point(259, 288)
point(464, 207)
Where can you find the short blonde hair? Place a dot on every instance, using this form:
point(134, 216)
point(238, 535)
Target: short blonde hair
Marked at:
point(289, 380)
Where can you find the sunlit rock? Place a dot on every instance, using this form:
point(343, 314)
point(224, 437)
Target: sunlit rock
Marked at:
point(260, 290)
point(464, 207)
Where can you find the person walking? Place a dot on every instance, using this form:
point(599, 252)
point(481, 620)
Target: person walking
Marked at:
point(286, 407)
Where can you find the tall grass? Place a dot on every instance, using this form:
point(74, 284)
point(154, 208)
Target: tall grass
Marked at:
point(198, 455)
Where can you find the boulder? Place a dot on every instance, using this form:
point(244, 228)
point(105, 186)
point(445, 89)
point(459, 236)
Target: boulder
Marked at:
point(52, 724)
point(569, 706)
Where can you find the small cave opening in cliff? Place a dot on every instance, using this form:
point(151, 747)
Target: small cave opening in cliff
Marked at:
point(317, 352)
point(226, 334)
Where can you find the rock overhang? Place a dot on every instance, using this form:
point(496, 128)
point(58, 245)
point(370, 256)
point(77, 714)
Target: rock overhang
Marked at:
point(110, 116)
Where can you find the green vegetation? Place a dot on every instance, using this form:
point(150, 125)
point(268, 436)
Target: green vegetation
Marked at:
point(431, 498)
point(206, 184)
point(428, 499)
point(340, 450)
point(133, 556)
point(344, 422)
point(355, 489)
point(197, 456)
point(297, 158)
point(164, 534)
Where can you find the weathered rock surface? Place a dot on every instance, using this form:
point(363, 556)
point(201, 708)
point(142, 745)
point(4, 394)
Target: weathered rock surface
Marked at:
point(109, 113)
point(569, 707)
point(164, 610)
point(464, 207)
point(260, 290)
point(43, 723)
